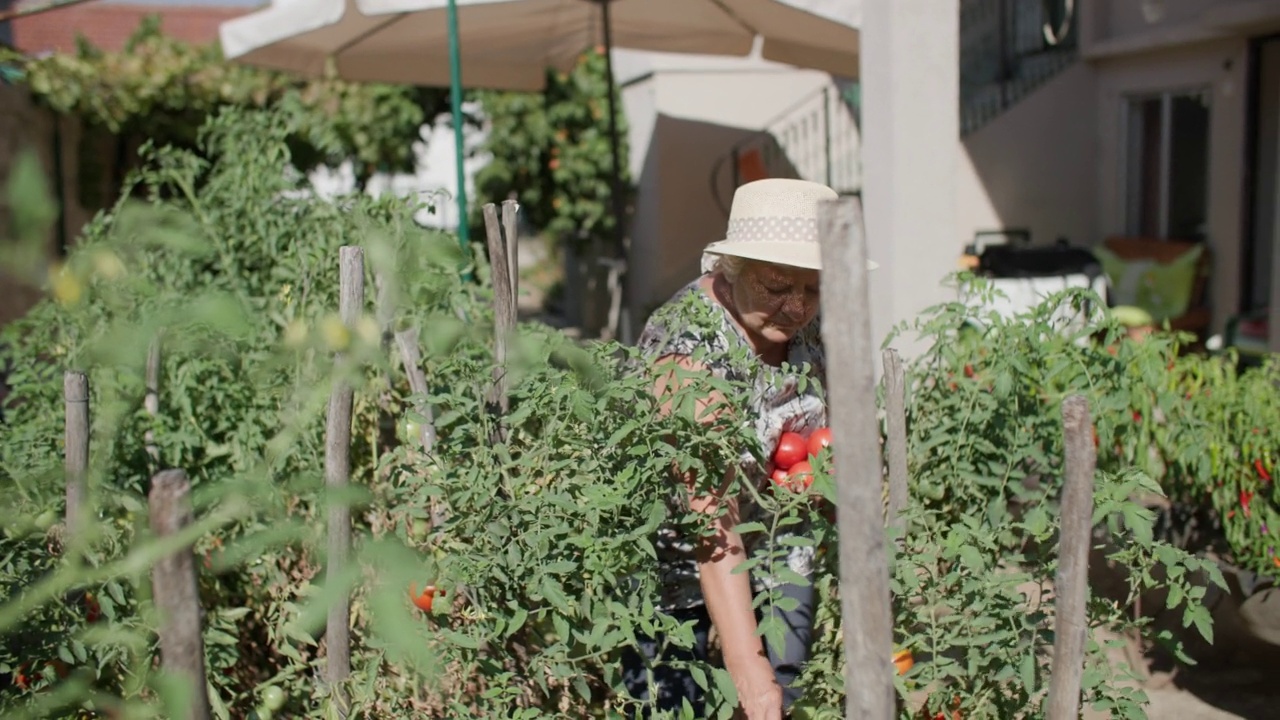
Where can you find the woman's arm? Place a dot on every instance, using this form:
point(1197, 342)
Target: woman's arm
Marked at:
point(728, 594)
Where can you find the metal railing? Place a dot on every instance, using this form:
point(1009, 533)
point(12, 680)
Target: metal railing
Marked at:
point(1009, 48)
point(814, 139)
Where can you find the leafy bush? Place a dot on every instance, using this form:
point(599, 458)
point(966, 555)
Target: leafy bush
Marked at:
point(231, 265)
point(973, 578)
point(538, 529)
point(551, 150)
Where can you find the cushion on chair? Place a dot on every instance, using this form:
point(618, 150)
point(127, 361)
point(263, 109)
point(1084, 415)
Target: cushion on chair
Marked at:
point(1162, 289)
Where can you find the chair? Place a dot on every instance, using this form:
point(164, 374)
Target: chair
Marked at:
point(1154, 263)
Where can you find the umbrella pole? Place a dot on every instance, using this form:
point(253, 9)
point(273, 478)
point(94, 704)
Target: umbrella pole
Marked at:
point(455, 103)
point(615, 185)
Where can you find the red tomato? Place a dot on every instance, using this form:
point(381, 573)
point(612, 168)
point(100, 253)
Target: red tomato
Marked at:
point(20, 677)
point(791, 449)
point(779, 476)
point(820, 438)
point(92, 610)
point(423, 601)
point(800, 474)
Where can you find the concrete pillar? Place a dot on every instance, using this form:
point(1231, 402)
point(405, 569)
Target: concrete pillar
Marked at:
point(910, 144)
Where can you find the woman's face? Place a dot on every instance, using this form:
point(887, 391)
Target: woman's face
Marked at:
point(775, 302)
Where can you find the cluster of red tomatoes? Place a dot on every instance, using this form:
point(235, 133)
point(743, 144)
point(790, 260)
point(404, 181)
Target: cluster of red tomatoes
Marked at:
point(792, 466)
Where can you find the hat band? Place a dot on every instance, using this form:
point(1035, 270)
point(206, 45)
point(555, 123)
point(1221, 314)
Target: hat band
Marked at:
point(775, 228)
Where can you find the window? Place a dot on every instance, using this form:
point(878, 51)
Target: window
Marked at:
point(1167, 165)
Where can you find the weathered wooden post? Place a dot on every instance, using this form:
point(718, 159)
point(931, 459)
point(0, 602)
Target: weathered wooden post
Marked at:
point(1071, 587)
point(895, 403)
point(504, 305)
point(75, 395)
point(151, 401)
point(511, 229)
point(337, 473)
point(864, 572)
point(175, 590)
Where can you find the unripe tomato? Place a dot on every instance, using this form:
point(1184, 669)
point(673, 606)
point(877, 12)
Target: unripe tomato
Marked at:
point(46, 519)
point(419, 528)
point(791, 449)
point(821, 438)
point(273, 697)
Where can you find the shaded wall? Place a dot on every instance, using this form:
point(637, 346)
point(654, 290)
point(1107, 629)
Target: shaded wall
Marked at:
point(1035, 166)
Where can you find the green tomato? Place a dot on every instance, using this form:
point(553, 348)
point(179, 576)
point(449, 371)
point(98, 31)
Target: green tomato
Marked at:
point(419, 528)
point(46, 519)
point(411, 429)
point(273, 698)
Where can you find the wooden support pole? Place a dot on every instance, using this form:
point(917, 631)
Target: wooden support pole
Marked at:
point(175, 590)
point(151, 401)
point(75, 395)
point(511, 230)
point(337, 474)
point(895, 403)
point(1071, 587)
point(864, 572)
point(504, 309)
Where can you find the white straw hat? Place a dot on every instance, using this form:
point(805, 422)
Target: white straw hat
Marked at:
point(775, 221)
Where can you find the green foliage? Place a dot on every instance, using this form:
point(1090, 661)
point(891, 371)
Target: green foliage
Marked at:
point(162, 89)
point(539, 528)
point(552, 151)
point(238, 282)
point(973, 580)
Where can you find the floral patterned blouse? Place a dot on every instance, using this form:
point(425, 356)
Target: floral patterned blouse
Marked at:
point(780, 402)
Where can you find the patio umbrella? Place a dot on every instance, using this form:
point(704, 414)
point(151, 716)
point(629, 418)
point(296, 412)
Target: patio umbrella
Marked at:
point(509, 44)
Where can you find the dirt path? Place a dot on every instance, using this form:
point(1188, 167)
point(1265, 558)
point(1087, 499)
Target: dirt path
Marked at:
point(1228, 691)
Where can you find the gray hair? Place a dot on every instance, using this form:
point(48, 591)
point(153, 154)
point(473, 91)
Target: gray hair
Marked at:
point(729, 265)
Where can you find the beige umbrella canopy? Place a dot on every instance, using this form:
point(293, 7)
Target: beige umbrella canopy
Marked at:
point(509, 44)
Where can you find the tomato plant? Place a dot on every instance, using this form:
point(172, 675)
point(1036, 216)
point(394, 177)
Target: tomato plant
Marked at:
point(542, 524)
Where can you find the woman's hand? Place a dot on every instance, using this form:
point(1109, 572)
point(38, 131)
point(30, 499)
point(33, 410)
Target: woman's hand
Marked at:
point(759, 694)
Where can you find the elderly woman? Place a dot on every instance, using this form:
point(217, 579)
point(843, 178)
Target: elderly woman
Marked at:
point(758, 300)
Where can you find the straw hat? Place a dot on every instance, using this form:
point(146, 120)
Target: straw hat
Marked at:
point(775, 221)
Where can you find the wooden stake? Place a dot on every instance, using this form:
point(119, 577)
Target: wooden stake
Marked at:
point(511, 230)
point(1071, 586)
point(175, 590)
point(151, 401)
point(864, 572)
point(75, 395)
point(504, 309)
point(337, 474)
point(896, 409)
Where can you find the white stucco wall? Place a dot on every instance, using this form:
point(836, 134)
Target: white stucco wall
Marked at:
point(1035, 166)
point(910, 131)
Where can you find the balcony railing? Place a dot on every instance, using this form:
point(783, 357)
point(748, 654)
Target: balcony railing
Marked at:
point(815, 139)
point(1007, 49)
